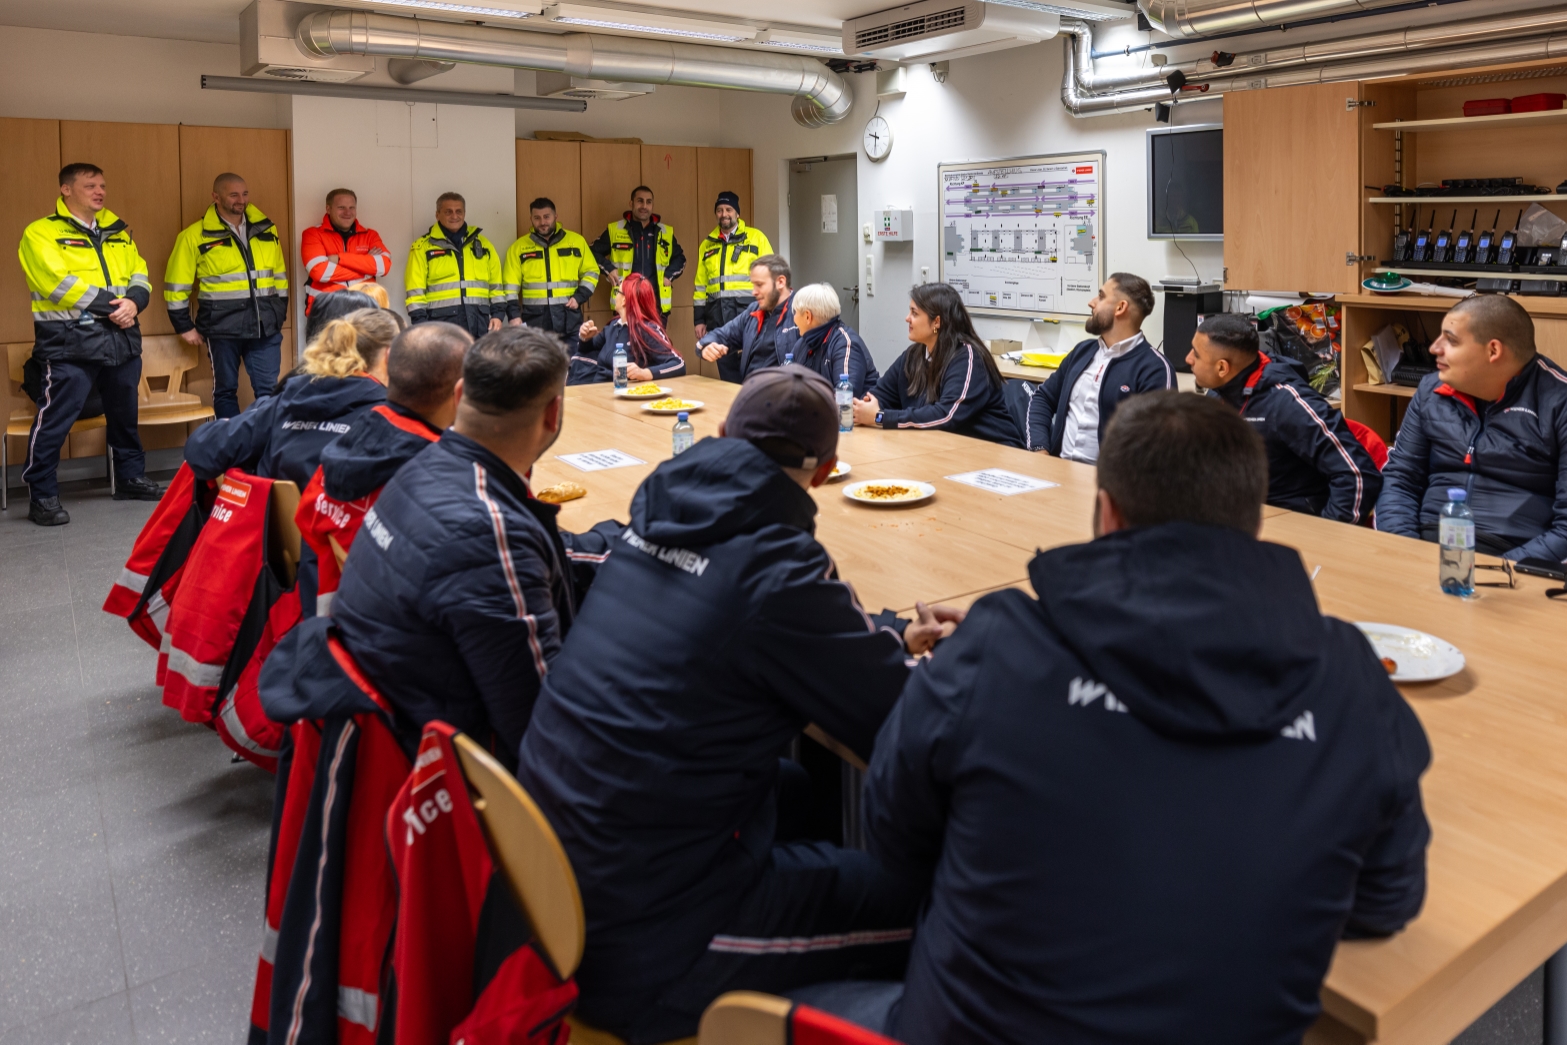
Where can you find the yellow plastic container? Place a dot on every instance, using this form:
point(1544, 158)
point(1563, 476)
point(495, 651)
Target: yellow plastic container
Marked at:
point(1049, 359)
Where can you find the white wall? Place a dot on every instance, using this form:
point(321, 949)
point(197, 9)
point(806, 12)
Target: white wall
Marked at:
point(398, 158)
point(46, 74)
point(992, 106)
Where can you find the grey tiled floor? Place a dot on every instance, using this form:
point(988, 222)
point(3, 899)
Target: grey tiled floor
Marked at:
point(132, 853)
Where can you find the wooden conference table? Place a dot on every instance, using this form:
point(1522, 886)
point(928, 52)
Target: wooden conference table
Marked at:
point(1496, 792)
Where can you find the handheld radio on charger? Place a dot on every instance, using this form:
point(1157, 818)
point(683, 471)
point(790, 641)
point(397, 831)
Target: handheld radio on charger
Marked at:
point(1442, 252)
point(1486, 243)
point(1463, 248)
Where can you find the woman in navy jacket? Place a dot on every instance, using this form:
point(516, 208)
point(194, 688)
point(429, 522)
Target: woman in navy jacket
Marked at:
point(638, 328)
point(827, 345)
point(946, 379)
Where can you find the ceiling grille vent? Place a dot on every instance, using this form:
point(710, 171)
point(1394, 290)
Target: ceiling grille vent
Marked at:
point(910, 28)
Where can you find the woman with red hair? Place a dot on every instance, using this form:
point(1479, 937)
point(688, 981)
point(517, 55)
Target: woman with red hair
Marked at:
point(638, 328)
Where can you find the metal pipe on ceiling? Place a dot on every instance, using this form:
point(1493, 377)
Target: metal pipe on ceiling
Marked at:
point(821, 96)
point(1191, 18)
point(261, 85)
point(1088, 91)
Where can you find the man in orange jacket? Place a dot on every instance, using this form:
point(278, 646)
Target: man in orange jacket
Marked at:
point(340, 251)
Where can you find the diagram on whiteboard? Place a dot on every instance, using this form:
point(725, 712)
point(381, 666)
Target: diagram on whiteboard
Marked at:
point(1022, 236)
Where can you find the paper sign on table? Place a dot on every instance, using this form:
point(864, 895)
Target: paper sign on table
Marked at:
point(598, 460)
point(999, 480)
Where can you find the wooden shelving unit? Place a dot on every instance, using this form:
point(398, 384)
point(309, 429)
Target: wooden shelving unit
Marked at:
point(1453, 123)
point(1469, 274)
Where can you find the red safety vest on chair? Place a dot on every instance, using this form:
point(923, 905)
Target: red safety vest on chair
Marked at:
point(321, 516)
point(147, 584)
point(231, 608)
point(331, 892)
point(447, 881)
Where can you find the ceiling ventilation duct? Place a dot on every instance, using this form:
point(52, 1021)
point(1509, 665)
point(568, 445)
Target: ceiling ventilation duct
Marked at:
point(1191, 18)
point(1496, 39)
point(939, 29)
point(821, 96)
point(266, 48)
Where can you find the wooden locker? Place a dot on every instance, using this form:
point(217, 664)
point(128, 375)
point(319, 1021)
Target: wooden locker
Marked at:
point(610, 171)
point(141, 165)
point(261, 157)
point(552, 169)
point(670, 171)
point(29, 186)
point(720, 169)
point(1293, 200)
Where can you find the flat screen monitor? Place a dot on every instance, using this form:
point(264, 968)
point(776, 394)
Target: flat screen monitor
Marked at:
point(1186, 182)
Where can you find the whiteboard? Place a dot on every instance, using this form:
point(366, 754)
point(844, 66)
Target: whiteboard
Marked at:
point(1023, 237)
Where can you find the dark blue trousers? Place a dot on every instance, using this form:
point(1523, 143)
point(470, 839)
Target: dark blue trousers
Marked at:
point(65, 388)
point(261, 355)
point(816, 913)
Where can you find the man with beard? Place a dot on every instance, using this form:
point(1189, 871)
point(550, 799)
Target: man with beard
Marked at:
point(763, 337)
point(1068, 415)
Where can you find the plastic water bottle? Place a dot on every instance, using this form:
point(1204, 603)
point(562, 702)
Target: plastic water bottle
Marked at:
point(622, 366)
point(685, 435)
point(845, 404)
point(788, 358)
point(1456, 534)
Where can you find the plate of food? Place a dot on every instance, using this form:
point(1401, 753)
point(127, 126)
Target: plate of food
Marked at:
point(900, 492)
point(672, 405)
point(1410, 655)
point(839, 470)
point(645, 390)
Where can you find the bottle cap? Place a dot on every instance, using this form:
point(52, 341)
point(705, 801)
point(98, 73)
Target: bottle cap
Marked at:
point(682, 416)
point(1457, 493)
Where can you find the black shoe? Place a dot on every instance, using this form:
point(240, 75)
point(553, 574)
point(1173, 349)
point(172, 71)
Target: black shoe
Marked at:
point(140, 488)
point(48, 512)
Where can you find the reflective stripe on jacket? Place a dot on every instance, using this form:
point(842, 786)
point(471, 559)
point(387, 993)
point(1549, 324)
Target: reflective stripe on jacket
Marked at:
point(617, 247)
point(361, 257)
point(723, 273)
point(240, 289)
point(74, 274)
point(541, 273)
point(446, 279)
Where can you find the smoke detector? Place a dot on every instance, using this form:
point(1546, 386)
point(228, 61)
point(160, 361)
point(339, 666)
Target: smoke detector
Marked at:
point(267, 47)
point(560, 85)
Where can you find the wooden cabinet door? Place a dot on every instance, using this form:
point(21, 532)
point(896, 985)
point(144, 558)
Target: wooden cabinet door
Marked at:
point(29, 185)
point(1292, 197)
point(670, 171)
point(720, 169)
point(610, 170)
point(552, 170)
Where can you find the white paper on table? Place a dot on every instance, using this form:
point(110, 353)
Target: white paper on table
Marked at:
point(829, 212)
point(999, 480)
point(598, 460)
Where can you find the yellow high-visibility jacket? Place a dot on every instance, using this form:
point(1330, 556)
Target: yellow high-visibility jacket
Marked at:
point(239, 288)
point(74, 274)
point(723, 273)
point(617, 247)
point(454, 278)
point(542, 274)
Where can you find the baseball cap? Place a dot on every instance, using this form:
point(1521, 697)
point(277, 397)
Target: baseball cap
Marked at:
point(728, 197)
point(790, 412)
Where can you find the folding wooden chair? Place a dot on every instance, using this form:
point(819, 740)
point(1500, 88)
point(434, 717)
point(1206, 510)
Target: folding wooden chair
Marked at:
point(530, 855)
point(283, 539)
point(20, 423)
point(167, 359)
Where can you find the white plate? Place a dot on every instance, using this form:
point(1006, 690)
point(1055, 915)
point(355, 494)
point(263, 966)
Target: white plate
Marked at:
point(927, 491)
point(1420, 657)
point(663, 390)
point(690, 405)
point(840, 470)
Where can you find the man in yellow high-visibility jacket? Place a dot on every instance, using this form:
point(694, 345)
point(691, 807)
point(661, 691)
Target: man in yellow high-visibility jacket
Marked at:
point(550, 274)
point(723, 274)
point(233, 267)
point(454, 273)
point(88, 284)
point(641, 242)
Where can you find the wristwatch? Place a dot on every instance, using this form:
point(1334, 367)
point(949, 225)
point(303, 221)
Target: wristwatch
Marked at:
point(879, 415)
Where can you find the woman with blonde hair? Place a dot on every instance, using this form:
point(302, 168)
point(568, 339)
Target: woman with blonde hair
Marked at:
point(281, 436)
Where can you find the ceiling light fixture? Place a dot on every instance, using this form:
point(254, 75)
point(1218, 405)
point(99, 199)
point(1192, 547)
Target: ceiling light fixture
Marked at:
point(457, 9)
point(1087, 14)
point(659, 25)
